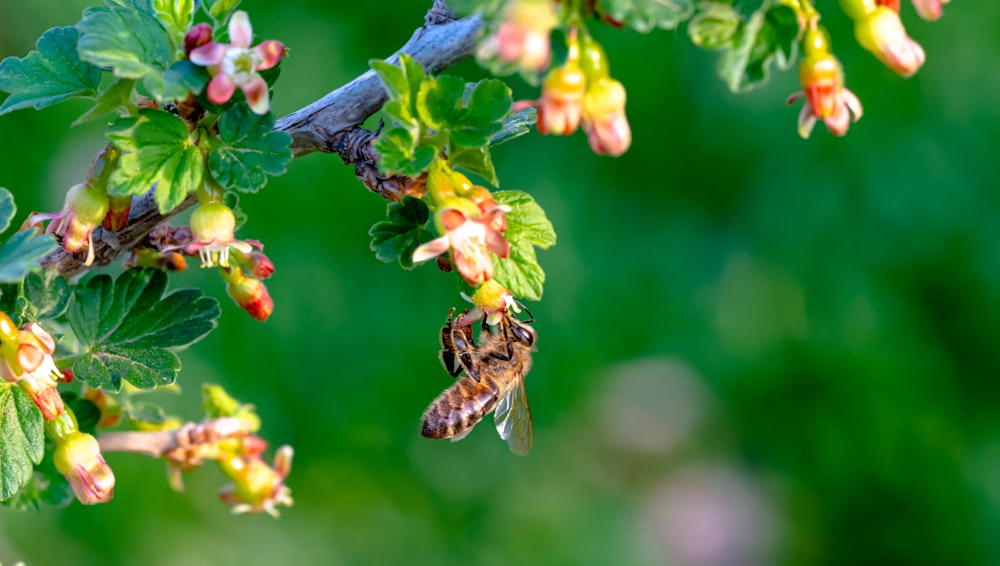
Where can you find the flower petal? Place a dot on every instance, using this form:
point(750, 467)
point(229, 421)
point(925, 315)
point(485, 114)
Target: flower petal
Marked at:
point(269, 53)
point(433, 248)
point(496, 243)
point(208, 54)
point(806, 121)
point(256, 93)
point(220, 89)
point(452, 219)
point(240, 30)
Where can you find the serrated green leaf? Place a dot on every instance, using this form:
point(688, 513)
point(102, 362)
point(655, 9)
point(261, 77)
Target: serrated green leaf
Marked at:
point(474, 160)
point(398, 152)
point(175, 83)
point(396, 238)
point(715, 26)
point(48, 293)
point(646, 15)
point(414, 72)
point(526, 220)
point(489, 103)
point(7, 209)
point(175, 16)
point(439, 101)
point(129, 330)
point(22, 438)
point(515, 126)
point(116, 97)
point(22, 252)
point(51, 74)
point(520, 273)
point(769, 35)
point(392, 78)
point(156, 149)
point(220, 10)
point(250, 151)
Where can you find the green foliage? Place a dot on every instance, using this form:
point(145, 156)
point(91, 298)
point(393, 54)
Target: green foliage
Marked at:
point(7, 209)
point(395, 239)
point(115, 96)
point(647, 15)
point(220, 10)
point(431, 115)
point(132, 44)
point(715, 26)
point(156, 149)
point(176, 16)
point(22, 252)
point(248, 150)
point(51, 74)
point(22, 438)
point(218, 403)
point(48, 294)
point(769, 35)
point(527, 227)
point(129, 330)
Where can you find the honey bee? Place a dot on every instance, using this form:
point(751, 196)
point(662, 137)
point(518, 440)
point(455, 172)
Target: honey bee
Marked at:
point(493, 381)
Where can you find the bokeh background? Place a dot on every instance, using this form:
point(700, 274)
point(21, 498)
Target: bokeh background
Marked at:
point(753, 349)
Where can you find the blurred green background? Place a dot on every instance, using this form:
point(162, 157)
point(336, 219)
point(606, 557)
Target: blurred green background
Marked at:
point(753, 349)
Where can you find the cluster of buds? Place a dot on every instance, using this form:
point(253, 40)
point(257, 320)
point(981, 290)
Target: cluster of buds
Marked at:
point(78, 458)
point(823, 88)
point(878, 29)
point(257, 487)
point(236, 64)
point(26, 359)
point(86, 205)
point(581, 91)
point(471, 221)
point(522, 40)
point(242, 264)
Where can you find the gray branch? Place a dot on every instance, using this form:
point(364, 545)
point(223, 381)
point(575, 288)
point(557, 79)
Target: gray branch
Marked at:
point(320, 126)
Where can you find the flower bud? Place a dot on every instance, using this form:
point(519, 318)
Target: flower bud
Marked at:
point(561, 104)
point(118, 211)
point(78, 457)
point(882, 33)
point(256, 486)
point(929, 9)
point(197, 36)
point(26, 359)
point(251, 295)
point(604, 119)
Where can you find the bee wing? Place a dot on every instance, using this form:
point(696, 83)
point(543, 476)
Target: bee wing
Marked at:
point(513, 419)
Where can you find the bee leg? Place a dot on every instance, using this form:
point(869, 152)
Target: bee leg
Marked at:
point(505, 357)
point(465, 357)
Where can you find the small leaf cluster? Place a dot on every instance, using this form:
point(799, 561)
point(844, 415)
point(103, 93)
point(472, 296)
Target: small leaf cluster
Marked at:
point(430, 117)
point(139, 43)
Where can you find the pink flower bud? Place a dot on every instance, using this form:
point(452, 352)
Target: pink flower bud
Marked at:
point(197, 36)
point(251, 295)
point(78, 458)
point(882, 33)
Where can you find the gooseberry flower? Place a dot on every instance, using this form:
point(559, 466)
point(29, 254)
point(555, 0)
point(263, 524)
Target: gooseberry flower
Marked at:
point(212, 235)
point(491, 300)
point(236, 65)
point(929, 9)
point(604, 118)
point(78, 457)
point(523, 37)
point(256, 486)
point(250, 294)
point(882, 33)
point(26, 359)
point(470, 241)
point(561, 104)
point(823, 88)
point(83, 209)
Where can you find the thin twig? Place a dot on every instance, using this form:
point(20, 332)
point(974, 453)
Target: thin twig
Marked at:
point(320, 126)
point(157, 443)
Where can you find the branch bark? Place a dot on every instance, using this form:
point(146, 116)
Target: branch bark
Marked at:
point(329, 125)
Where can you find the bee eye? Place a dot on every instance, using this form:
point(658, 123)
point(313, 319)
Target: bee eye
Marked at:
point(524, 335)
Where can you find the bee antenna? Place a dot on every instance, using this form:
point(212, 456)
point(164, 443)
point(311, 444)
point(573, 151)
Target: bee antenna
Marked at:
point(531, 317)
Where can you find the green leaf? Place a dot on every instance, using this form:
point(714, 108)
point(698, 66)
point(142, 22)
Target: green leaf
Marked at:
point(129, 330)
point(176, 82)
point(768, 36)
point(145, 412)
point(156, 149)
point(715, 26)
point(646, 15)
point(176, 16)
point(526, 220)
point(130, 42)
point(117, 96)
point(48, 293)
point(439, 101)
point(516, 125)
point(475, 160)
point(520, 273)
point(7, 209)
point(220, 10)
point(22, 252)
point(489, 103)
point(51, 74)
point(250, 151)
point(393, 79)
point(396, 238)
point(22, 438)
point(399, 153)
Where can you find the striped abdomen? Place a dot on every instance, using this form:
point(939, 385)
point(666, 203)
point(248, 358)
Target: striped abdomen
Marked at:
point(459, 408)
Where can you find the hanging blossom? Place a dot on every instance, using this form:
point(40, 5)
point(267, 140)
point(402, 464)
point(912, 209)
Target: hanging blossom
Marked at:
point(604, 118)
point(823, 88)
point(881, 32)
point(490, 301)
point(78, 458)
point(523, 37)
point(213, 226)
point(236, 65)
point(256, 486)
point(929, 9)
point(470, 241)
point(84, 208)
point(26, 359)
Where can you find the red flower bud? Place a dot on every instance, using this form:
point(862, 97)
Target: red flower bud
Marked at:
point(197, 36)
